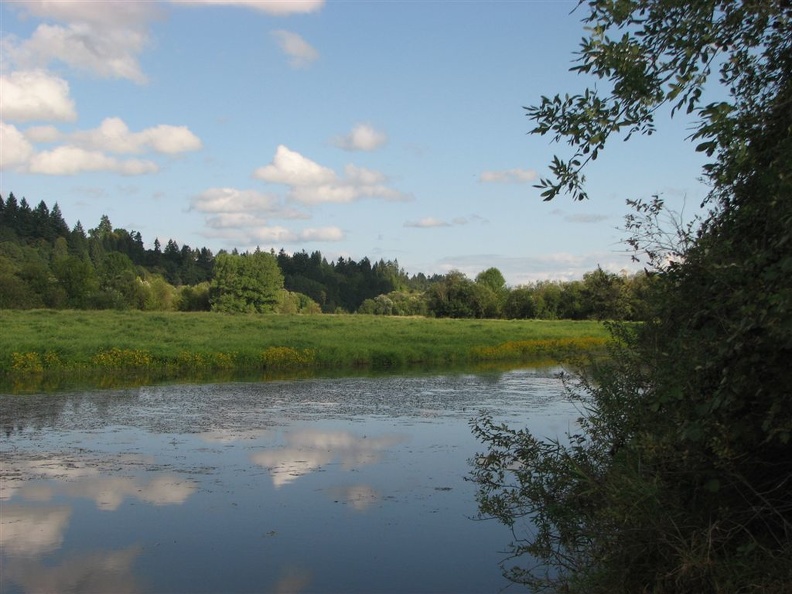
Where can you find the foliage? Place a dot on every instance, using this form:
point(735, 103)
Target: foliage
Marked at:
point(246, 283)
point(294, 303)
point(44, 264)
point(282, 357)
point(457, 296)
point(678, 477)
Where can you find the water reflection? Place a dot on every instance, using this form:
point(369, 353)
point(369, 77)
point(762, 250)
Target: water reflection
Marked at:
point(32, 531)
point(98, 572)
point(310, 449)
point(360, 497)
point(347, 485)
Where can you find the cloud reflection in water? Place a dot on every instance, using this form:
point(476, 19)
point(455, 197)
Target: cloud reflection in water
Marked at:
point(310, 449)
point(98, 572)
point(32, 530)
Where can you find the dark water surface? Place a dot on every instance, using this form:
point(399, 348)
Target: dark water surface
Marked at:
point(331, 486)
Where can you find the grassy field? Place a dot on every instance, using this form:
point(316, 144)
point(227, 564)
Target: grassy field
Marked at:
point(41, 341)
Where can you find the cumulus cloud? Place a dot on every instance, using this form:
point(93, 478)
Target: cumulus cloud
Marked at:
point(106, 51)
point(362, 138)
point(300, 52)
point(86, 151)
point(43, 134)
point(514, 176)
point(35, 95)
point(246, 216)
point(231, 200)
point(292, 169)
point(70, 160)
point(104, 38)
point(273, 7)
point(311, 183)
point(322, 234)
point(15, 150)
point(114, 136)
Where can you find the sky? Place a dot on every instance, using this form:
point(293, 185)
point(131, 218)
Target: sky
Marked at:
point(391, 130)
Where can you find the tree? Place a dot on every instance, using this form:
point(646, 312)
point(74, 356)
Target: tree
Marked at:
point(245, 283)
point(678, 480)
point(459, 297)
point(492, 278)
point(520, 304)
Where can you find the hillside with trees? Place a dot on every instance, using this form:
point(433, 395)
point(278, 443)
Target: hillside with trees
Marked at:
point(46, 264)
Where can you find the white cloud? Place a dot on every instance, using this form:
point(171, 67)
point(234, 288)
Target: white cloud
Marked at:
point(281, 235)
point(273, 7)
point(518, 176)
point(363, 176)
point(70, 160)
point(302, 54)
point(86, 151)
point(244, 215)
point(273, 235)
point(234, 220)
point(105, 51)
point(104, 38)
point(43, 134)
point(363, 137)
point(231, 200)
point(15, 150)
point(427, 223)
point(311, 183)
point(35, 95)
point(291, 168)
point(101, 13)
point(113, 135)
point(322, 234)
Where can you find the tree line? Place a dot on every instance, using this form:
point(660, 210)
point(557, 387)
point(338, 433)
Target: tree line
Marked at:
point(46, 264)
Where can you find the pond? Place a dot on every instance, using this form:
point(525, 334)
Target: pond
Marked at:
point(320, 486)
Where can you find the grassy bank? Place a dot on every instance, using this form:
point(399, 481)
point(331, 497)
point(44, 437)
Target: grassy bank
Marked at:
point(42, 341)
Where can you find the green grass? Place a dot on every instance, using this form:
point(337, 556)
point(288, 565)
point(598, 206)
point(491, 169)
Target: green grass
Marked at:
point(39, 341)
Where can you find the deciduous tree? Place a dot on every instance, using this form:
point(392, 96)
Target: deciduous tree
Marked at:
point(679, 479)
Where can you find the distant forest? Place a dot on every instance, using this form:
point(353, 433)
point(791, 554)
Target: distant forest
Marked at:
point(44, 264)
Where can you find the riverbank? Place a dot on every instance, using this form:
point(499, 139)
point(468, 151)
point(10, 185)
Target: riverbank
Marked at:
point(177, 344)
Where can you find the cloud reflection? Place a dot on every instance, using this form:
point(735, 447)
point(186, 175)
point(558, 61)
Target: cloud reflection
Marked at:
point(225, 436)
point(100, 572)
point(308, 450)
point(360, 497)
point(292, 581)
point(107, 491)
point(32, 530)
point(110, 492)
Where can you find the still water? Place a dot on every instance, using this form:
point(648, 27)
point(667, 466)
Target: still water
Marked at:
point(309, 486)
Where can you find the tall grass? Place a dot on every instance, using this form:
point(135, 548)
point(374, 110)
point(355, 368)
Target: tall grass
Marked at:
point(41, 341)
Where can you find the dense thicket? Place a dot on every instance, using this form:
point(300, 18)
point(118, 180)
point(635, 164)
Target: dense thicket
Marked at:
point(43, 263)
point(680, 478)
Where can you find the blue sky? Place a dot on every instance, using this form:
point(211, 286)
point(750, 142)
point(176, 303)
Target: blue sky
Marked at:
point(375, 129)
